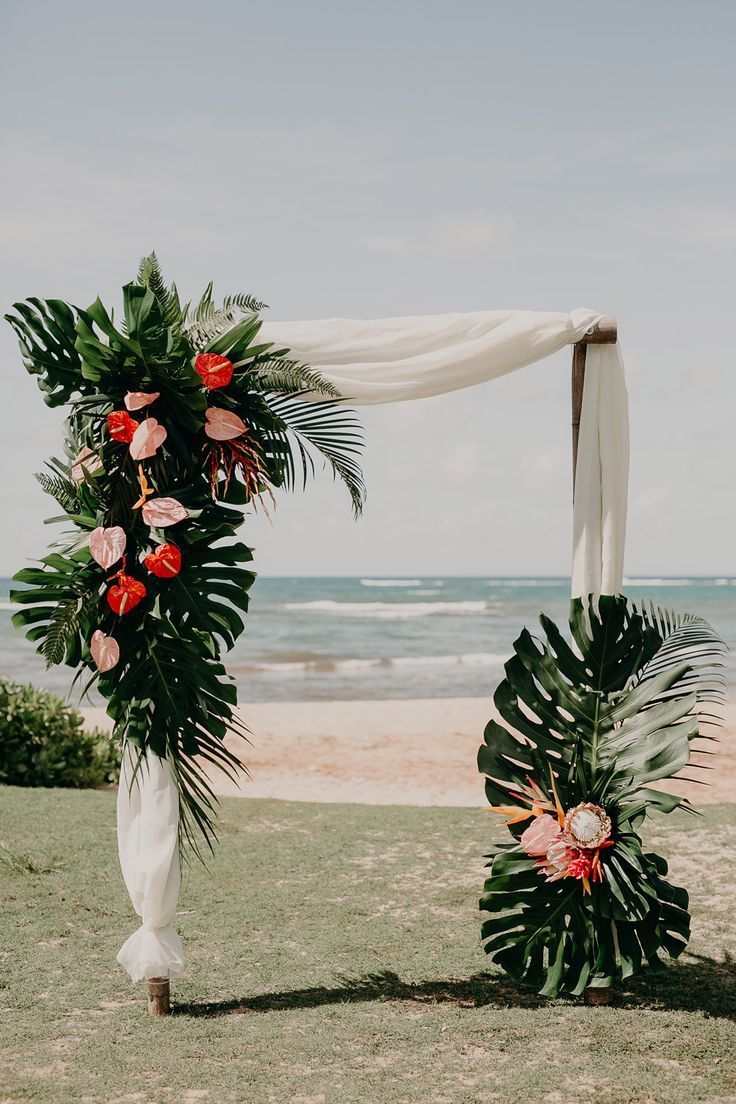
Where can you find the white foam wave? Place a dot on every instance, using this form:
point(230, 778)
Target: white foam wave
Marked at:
point(658, 582)
point(326, 665)
point(522, 582)
point(389, 611)
point(391, 582)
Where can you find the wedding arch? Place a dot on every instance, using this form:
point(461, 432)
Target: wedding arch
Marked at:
point(127, 484)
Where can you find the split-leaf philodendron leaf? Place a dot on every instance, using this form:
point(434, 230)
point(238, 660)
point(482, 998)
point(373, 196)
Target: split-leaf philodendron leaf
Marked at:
point(161, 616)
point(592, 725)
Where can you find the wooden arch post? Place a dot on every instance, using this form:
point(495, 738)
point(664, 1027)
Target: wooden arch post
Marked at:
point(604, 332)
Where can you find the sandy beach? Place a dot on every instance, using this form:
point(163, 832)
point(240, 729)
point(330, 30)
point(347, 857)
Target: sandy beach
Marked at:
point(418, 752)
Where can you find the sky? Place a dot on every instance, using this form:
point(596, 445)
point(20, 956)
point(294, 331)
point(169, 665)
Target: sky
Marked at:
point(401, 157)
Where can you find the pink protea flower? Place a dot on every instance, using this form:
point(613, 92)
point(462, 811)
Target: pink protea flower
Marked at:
point(86, 462)
point(136, 400)
point(542, 833)
point(147, 439)
point(556, 864)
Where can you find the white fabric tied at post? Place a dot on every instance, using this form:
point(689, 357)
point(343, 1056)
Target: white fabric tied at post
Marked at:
point(392, 360)
point(601, 476)
point(148, 845)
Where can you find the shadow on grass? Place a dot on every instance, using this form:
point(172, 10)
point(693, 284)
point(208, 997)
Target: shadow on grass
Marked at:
point(699, 985)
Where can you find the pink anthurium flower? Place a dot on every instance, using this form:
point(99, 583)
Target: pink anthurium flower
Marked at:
point(107, 545)
point(136, 400)
point(148, 437)
point(85, 463)
point(160, 512)
point(105, 651)
point(223, 425)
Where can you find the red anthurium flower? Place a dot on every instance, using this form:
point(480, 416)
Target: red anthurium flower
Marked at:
point(121, 426)
point(125, 594)
point(165, 562)
point(215, 370)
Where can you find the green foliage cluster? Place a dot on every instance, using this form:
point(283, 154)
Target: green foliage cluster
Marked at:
point(599, 720)
point(170, 692)
point(43, 742)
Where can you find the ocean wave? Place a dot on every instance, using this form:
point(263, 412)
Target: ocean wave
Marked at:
point(389, 611)
point(391, 582)
point(317, 665)
point(659, 582)
point(524, 582)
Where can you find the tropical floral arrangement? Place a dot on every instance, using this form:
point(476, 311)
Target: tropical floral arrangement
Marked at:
point(574, 902)
point(180, 419)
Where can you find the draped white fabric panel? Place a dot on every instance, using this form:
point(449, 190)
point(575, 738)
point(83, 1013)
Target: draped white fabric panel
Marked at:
point(148, 846)
point(391, 360)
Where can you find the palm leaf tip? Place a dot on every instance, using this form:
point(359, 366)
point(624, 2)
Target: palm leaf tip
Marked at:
point(327, 429)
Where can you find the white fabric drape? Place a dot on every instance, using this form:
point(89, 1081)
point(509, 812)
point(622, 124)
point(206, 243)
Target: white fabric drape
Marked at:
point(148, 846)
point(391, 360)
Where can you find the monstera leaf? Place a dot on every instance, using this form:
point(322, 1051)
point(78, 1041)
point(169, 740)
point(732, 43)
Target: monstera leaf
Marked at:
point(591, 724)
point(166, 688)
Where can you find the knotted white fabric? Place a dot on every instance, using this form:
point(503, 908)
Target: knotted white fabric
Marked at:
point(148, 846)
point(391, 360)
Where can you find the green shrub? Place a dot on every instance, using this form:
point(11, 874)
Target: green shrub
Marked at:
point(43, 742)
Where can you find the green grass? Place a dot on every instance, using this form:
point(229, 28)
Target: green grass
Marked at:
point(334, 956)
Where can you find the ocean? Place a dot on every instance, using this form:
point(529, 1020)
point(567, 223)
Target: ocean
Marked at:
point(432, 637)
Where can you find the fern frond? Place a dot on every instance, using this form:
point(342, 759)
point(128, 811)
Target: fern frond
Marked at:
point(288, 377)
point(205, 322)
point(63, 490)
point(151, 277)
point(247, 304)
point(65, 623)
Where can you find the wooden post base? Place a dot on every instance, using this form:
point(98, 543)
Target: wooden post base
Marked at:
point(596, 996)
point(159, 997)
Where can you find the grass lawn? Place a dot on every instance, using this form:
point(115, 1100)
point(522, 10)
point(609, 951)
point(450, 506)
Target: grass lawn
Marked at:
point(334, 956)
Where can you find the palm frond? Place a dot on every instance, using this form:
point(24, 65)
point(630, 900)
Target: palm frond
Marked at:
point(688, 642)
point(326, 428)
